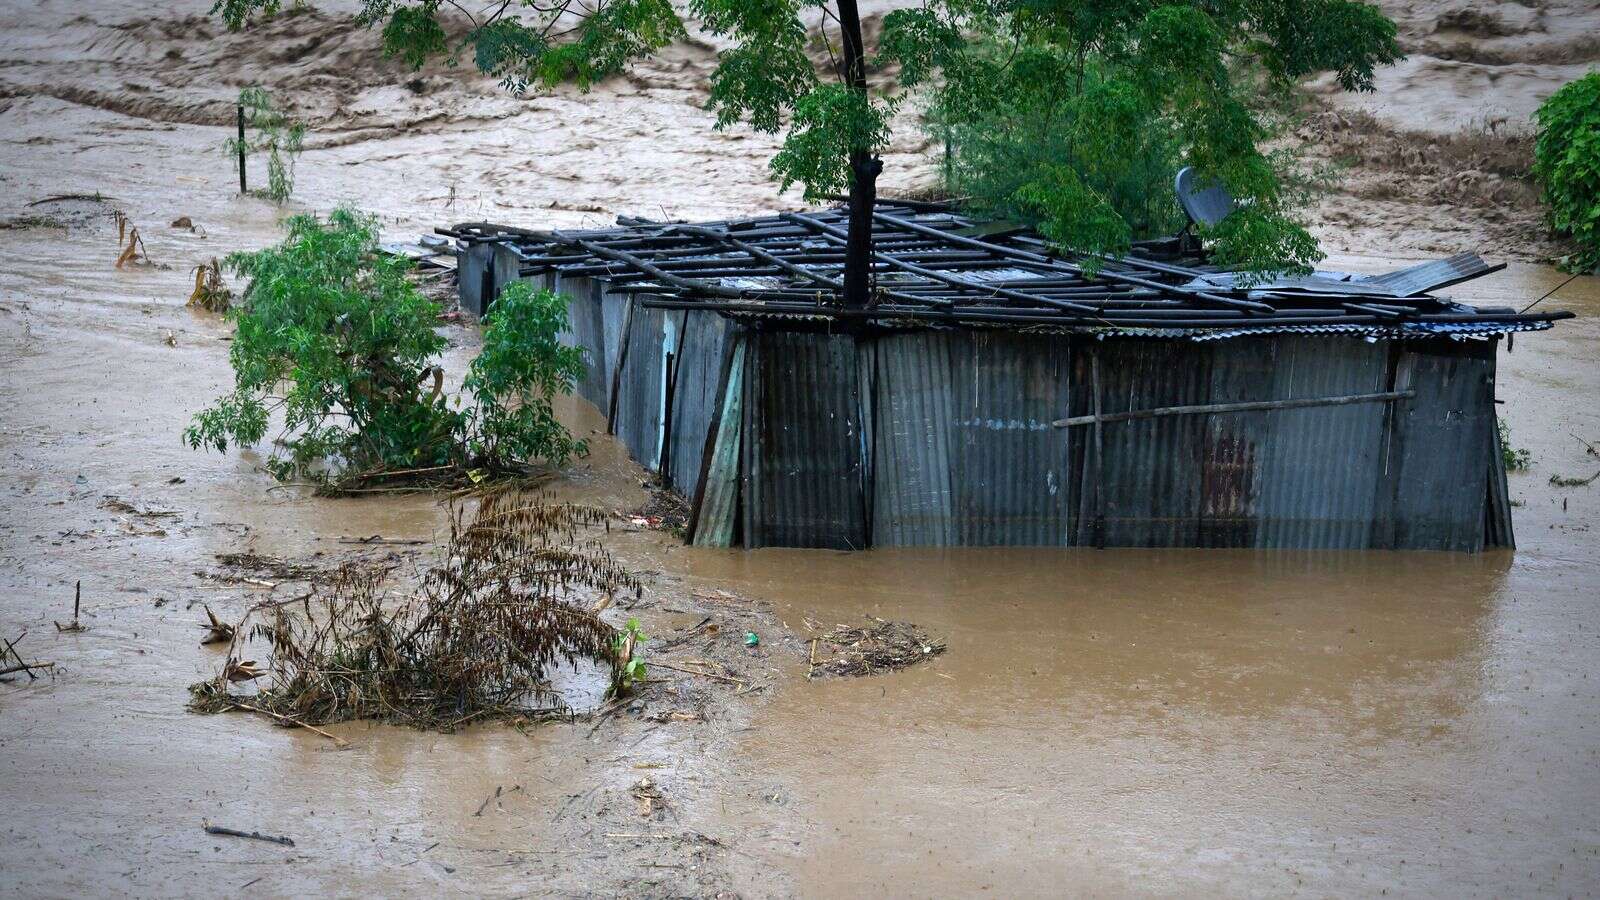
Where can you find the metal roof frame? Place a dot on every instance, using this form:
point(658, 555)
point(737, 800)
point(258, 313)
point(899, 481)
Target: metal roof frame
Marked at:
point(930, 267)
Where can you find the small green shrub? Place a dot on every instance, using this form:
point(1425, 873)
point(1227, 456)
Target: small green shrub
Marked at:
point(521, 368)
point(333, 336)
point(275, 134)
point(1516, 459)
point(627, 654)
point(1566, 161)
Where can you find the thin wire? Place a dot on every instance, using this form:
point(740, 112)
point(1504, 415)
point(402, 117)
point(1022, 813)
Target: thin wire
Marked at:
point(1548, 293)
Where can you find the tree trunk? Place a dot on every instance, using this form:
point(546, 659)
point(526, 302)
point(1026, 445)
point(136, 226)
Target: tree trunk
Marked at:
point(864, 168)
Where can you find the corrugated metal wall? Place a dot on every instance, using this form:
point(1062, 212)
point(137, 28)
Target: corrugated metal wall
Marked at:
point(641, 386)
point(1232, 445)
point(697, 376)
point(614, 312)
point(1319, 467)
point(803, 443)
point(1497, 530)
point(1439, 455)
point(1012, 483)
point(961, 449)
point(941, 438)
point(613, 328)
point(1151, 475)
point(585, 330)
point(716, 514)
point(504, 268)
point(473, 264)
point(914, 426)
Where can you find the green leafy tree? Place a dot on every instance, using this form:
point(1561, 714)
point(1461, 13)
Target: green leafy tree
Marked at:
point(334, 338)
point(1157, 58)
point(1077, 116)
point(1566, 161)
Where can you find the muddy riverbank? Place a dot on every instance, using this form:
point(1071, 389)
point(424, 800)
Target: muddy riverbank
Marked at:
point(1120, 722)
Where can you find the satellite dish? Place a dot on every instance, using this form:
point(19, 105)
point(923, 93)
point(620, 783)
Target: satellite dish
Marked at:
point(1204, 202)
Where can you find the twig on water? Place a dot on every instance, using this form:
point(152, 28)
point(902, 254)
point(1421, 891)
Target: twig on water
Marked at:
point(499, 788)
point(606, 713)
point(22, 665)
point(253, 835)
point(380, 539)
point(339, 742)
point(27, 667)
point(485, 804)
point(657, 664)
point(1564, 481)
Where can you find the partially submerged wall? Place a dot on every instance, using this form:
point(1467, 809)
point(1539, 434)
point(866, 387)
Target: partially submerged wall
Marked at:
point(950, 437)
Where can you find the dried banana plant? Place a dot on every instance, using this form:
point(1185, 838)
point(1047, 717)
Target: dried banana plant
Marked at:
point(129, 233)
point(474, 641)
point(210, 291)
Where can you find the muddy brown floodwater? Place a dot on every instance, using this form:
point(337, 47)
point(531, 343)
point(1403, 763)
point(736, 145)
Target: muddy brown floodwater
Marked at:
point(1116, 722)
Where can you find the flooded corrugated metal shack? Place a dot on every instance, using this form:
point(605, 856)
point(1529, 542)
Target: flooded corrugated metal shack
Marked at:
point(1148, 404)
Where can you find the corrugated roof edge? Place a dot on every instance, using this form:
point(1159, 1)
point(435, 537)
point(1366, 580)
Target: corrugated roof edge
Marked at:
point(1413, 331)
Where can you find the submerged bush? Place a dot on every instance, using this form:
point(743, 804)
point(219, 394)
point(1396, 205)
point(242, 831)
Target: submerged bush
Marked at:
point(522, 366)
point(1566, 161)
point(333, 336)
point(475, 641)
point(274, 134)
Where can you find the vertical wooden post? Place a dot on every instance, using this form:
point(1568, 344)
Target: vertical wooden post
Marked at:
point(664, 452)
point(622, 360)
point(243, 189)
point(1099, 455)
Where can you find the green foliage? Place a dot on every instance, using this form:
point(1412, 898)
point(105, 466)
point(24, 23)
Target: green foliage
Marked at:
point(1516, 459)
point(1300, 38)
point(522, 366)
point(273, 133)
point(1076, 118)
point(829, 123)
point(1093, 172)
point(1072, 115)
point(332, 336)
point(1566, 161)
point(627, 650)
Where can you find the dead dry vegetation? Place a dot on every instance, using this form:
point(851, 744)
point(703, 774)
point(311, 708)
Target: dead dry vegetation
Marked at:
point(474, 640)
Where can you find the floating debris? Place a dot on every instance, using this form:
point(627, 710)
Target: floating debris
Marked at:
point(9, 651)
point(649, 797)
point(210, 290)
point(217, 630)
point(883, 646)
point(252, 835)
point(115, 504)
point(242, 670)
point(270, 566)
point(666, 509)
